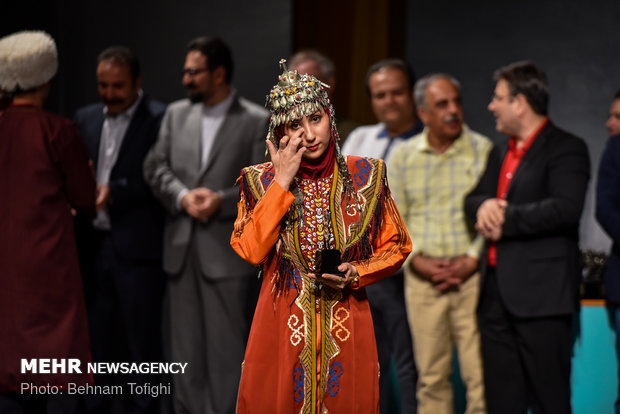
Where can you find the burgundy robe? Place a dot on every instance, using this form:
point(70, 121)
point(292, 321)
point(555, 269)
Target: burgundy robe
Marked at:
point(44, 173)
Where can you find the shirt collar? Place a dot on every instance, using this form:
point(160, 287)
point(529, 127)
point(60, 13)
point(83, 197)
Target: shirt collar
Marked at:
point(456, 147)
point(220, 109)
point(512, 142)
point(416, 129)
point(127, 113)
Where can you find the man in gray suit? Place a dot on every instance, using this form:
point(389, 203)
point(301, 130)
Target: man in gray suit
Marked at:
point(203, 143)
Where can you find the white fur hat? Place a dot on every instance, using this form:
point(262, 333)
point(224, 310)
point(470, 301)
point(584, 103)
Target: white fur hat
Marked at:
point(27, 59)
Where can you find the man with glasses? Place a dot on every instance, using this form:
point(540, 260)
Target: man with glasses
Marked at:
point(528, 205)
point(203, 144)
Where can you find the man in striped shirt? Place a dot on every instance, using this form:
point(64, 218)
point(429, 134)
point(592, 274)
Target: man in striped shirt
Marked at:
point(429, 176)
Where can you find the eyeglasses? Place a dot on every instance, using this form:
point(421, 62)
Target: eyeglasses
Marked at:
point(192, 72)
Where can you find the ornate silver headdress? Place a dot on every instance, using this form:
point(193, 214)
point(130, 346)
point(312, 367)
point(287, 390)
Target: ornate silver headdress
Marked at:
point(295, 96)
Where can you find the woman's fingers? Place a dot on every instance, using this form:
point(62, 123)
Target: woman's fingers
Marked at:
point(333, 281)
point(340, 281)
point(287, 158)
point(272, 149)
point(283, 142)
point(293, 142)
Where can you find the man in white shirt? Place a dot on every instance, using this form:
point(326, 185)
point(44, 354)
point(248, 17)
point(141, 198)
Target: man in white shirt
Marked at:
point(390, 86)
point(121, 250)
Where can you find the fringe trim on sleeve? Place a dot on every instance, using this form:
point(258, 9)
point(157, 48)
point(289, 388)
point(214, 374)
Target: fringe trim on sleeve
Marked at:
point(364, 247)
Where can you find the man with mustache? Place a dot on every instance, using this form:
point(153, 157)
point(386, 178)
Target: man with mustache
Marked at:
point(203, 144)
point(390, 84)
point(121, 249)
point(430, 175)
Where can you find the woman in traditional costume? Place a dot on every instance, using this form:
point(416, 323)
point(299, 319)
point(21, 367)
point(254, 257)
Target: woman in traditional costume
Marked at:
point(312, 347)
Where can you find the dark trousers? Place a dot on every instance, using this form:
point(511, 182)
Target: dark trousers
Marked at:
point(389, 316)
point(526, 361)
point(124, 308)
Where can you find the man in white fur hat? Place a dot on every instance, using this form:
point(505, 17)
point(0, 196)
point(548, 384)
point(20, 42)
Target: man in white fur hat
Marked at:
point(44, 175)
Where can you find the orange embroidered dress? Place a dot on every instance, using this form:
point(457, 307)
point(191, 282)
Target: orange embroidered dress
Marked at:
point(312, 348)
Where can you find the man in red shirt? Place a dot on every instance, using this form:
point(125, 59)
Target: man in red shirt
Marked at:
point(528, 205)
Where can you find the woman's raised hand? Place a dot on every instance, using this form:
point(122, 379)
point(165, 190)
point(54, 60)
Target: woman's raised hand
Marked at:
point(287, 158)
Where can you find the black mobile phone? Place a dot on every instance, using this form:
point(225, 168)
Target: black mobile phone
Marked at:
point(328, 261)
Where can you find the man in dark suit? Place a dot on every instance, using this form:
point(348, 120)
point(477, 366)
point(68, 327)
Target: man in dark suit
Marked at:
point(608, 215)
point(528, 206)
point(122, 248)
point(203, 144)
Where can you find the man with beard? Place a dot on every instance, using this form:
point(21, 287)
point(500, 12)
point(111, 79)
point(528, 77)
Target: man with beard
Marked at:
point(430, 175)
point(121, 249)
point(203, 144)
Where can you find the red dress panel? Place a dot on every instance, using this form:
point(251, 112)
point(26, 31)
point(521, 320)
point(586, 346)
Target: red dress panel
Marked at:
point(44, 173)
point(313, 350)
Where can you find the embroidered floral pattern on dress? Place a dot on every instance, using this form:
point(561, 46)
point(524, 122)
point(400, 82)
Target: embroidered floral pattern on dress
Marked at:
point(316, 233)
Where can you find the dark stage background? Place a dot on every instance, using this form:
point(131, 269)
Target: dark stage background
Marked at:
point(576, 42)
point(257, 32)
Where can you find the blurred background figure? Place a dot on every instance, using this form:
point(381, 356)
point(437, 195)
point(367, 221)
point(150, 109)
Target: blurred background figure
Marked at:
point(608, 215)
point(613, 122)
point(430, 176)
point(204, 142)
point(390, 86)
point(121, 249)
point(527, 205)
point(312, 62)
point(44, 174)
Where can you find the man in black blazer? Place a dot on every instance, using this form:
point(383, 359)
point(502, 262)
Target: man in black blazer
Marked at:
point(528, 205)
point(608, 214)
point(121, 250)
